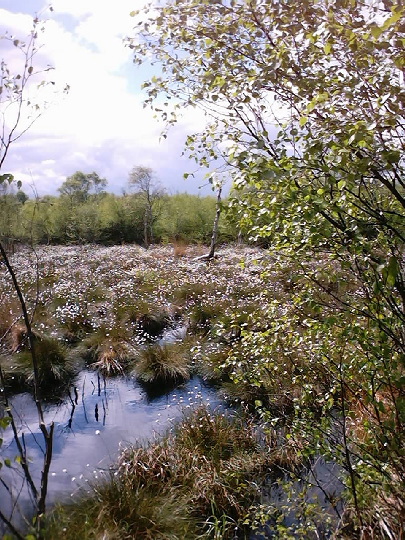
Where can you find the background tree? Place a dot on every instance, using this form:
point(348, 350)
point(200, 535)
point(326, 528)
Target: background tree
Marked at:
point(112, 219)
point(10, 210)
point(308, 107)
point(188, 218)
point(142, 181)
point(37, 220)
point(79, 186)
point(78, 222)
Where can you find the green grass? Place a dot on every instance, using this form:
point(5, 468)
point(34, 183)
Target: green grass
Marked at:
point(57, 367)
point(163, 364)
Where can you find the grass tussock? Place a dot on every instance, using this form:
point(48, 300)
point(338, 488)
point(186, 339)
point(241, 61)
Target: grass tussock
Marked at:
point(56, 367)
point(112, 360)
point(203, 477)
point(150, 326)
point(116, 511)
point(163, 364)
point(108, 349)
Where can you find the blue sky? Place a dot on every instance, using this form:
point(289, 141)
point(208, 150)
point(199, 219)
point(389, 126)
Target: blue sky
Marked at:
point(100, 124)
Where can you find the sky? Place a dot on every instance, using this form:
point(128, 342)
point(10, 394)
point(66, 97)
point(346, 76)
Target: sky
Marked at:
point(100, 124)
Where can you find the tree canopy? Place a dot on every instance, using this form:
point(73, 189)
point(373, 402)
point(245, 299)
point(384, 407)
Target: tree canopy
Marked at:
point(80, 185)
point(316, 97)
point(307, 108)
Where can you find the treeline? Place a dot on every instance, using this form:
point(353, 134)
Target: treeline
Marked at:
point(105, 218)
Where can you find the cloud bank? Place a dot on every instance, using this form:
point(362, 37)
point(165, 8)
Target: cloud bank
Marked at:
point(100, 124)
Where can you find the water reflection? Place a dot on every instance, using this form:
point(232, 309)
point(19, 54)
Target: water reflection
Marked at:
point(98, 417)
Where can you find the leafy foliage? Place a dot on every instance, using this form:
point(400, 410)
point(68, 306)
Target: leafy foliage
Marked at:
point(108, 219)
point(79, 186)
point(307, 108)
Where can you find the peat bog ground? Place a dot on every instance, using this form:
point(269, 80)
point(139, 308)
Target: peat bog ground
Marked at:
point(130, 340)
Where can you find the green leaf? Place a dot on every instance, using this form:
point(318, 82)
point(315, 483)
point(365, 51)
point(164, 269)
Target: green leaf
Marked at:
point(6, 178)
point(393, 19)
point(341, 184)
point(380, 406)
point(392, 271)
point(376, 31)
point(4, 422)
point(327, 48)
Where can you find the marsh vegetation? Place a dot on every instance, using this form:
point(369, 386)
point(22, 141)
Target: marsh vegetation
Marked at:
point(302, 339)
point(160, 320)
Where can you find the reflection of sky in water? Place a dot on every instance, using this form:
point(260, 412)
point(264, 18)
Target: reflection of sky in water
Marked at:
point(91, 427)
point(98, 420)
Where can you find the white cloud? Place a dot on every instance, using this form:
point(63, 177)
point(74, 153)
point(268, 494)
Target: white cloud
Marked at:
point(15, 23)
point(100, 124)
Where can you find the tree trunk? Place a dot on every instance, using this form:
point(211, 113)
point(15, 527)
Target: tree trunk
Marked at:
point(214, 236)
point(146, 228)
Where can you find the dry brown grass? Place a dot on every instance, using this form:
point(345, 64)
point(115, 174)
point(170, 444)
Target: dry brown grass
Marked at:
point(112, 360)
point(18, 338)
point(10, 311)
point(179, 248)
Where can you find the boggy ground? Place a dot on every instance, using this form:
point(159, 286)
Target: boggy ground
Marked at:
point(108, 308)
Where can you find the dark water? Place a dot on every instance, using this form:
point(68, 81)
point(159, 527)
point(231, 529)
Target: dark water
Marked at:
point(100, 417)
point(319, 484)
